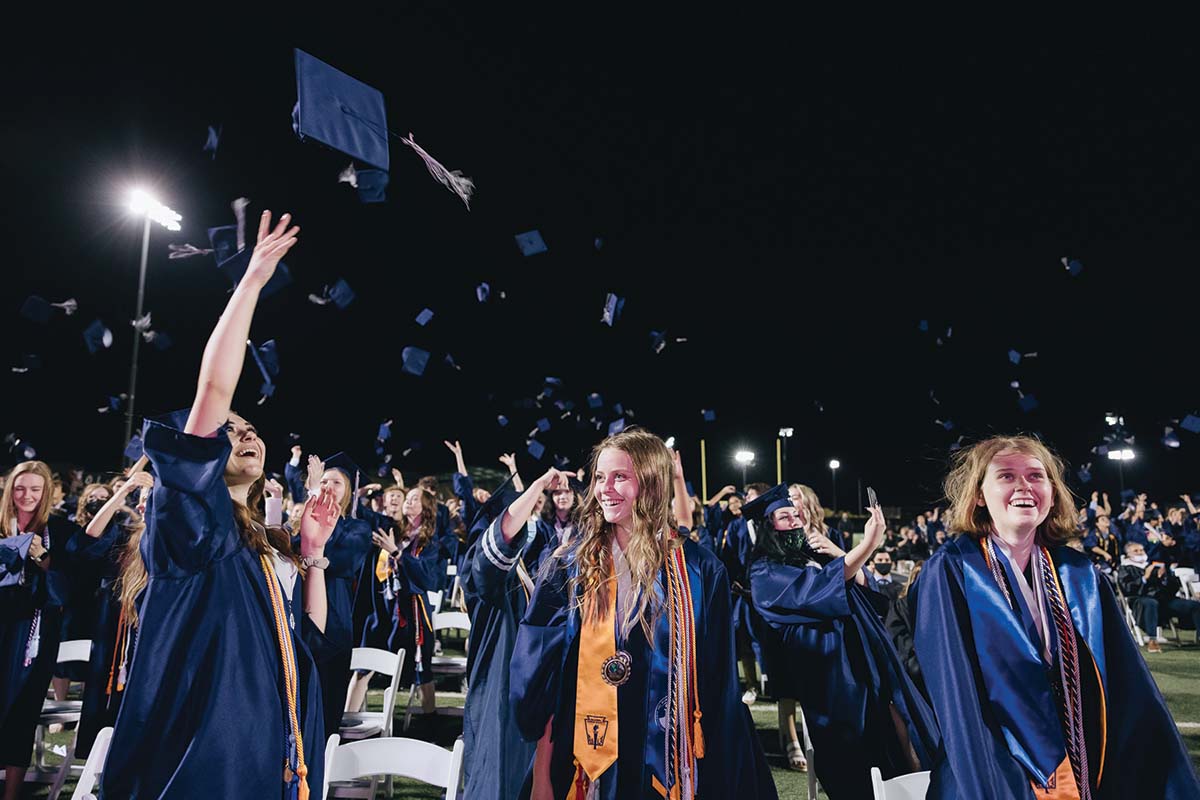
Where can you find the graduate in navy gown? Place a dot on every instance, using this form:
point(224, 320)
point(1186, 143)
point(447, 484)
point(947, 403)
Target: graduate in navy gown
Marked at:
point(35, 579)
point(1036, 682)
point(407, 562)
point(497, 587)
point(861, 707)
point(623, 669)
point(222, 699)
point(113, 533)
point(346, 552)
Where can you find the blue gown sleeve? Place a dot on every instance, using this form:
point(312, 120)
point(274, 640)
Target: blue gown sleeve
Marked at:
point(493, 561)
point(535, 672)
point(464, 490)
point(977, 762)
point(799, 595)
point(425, 571)
point(190, 516)
point(295, 481)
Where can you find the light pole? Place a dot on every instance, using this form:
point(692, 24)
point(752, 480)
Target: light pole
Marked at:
point(1121, 456)
point(833, 468)
point(143, 205)
point(786, 435)
point(745, 458)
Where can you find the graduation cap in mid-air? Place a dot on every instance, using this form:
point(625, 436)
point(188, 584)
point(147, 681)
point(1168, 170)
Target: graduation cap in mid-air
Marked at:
point(1073, 265)
point(1191, 423)
point(424, 317)
point(616, 426)
point(531, 243)
point(266, 356)
point(536, 449)
point(1170, 438)
point(234, 262)
point(97, 336)
point(709, 414)
point(36, 309)
point(213, 140)
point(413, 360)
point(613, 306)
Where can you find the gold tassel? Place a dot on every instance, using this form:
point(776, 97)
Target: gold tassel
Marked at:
point(303, 773)
point(697, 735)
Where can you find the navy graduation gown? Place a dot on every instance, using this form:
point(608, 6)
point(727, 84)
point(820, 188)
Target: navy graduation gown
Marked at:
point(23, 688)
point(497, 757)
point(845, 673)
point(543, 677)
point(104, 554)
point(394, 622)
point(346, 550)
point(992, 748)
point(204, 710)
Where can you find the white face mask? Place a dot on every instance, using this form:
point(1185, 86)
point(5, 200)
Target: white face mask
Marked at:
point(1140, 560)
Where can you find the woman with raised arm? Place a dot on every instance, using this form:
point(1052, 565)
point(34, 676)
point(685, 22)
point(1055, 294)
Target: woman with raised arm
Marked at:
point(831, 651)
point(623, 669)
point(1038, 687)
point(222, 699)
point(36, 569)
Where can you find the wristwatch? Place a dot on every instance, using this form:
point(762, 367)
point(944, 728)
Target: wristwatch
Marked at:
point(309, 562)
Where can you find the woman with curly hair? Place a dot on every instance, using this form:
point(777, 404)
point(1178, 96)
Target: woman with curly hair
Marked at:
point(1038, 688)
point(623, 669)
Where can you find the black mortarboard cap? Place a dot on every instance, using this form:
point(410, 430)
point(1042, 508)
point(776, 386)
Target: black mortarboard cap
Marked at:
point(340, 112)
point(766, 503)
point(267, 358)
point(543, 424)
point(1014, 356)
point(1191, 423)
point(710, 415)
point(97, 336)
point(36, 309)
point(923, 326)
point(424, 317)
point(531, 243)
point(1027, 403)
point(1085, 474)
point(537, 449)
point(658, 340)
point(414, 360)
point(385, 430)
point(372, 185)
point(616, 426)
point(341, 294)
point(133, 450)
point(595, 400)
point(482, 292)
point(502, 420)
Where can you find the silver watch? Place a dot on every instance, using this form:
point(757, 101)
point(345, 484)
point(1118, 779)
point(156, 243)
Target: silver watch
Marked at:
point(309, 562)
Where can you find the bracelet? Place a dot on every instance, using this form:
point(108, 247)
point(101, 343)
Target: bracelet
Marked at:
point(314, 562)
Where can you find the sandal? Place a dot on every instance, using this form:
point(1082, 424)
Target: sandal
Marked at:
point(795, 757)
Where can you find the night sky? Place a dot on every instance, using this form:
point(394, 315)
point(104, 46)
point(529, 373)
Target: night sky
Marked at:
point(793, 203)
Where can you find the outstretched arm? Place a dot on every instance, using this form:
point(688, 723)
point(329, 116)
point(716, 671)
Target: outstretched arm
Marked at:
point(223, 356)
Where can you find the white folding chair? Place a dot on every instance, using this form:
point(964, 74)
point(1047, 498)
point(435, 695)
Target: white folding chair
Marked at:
point(62, 712)
point(85, 789)
point(363, 724)
point(1130, 620)
point(442, 665)
point(435, 601)
point(813, 784)
point(904, 787)
point(408, 758)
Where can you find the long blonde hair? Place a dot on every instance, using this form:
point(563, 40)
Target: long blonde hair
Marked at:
point(82, 515)
point(811, 508)
point(41, 516)
point(649, 542)
point(132, 578)
point(964, 488)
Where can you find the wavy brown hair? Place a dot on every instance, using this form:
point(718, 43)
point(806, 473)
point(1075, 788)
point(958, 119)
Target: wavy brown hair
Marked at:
point(42, 515)
point(426, 520)
point(649, 541)
point(251, 524)
point(132, 578)
point(963, 489)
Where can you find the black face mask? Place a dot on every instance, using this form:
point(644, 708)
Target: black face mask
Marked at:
point(883, 569)
point(94, 505)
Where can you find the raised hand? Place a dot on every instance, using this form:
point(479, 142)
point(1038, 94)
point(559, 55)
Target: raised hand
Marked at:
point(554, 480)
point(398, 477)
point(272, 245)
point(678, 459)
point(272, 489)
point(456, 448)
point(317, 524)
point(370, 487)
point(297, 451)
point(875, 528)
point(316, 468)
point(509, 460)
point(385, 540)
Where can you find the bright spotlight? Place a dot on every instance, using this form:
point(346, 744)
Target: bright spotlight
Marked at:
point(834, 463)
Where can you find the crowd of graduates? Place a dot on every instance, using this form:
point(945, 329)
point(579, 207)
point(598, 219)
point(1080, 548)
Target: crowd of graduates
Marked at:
point(621, 626)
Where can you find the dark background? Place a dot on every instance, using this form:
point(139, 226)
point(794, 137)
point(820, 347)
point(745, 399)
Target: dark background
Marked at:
point(792, 200)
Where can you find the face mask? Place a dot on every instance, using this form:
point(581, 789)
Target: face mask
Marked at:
point(94, 505)
point(1139, 560)
point(883, 569)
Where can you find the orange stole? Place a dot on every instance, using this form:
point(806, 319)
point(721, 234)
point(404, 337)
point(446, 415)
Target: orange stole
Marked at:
point(595, 745)
point(1062, 784)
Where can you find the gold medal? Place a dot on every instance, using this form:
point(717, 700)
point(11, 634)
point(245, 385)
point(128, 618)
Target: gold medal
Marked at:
point(615, 669)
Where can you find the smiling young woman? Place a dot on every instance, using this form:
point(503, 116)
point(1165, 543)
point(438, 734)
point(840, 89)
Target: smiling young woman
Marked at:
point(623, 669)
point(1038, 688)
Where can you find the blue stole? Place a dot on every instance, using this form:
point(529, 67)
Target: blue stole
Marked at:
point(658, 681)
point(1016, 677)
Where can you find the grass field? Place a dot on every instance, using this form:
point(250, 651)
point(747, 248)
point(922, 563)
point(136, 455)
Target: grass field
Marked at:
point(1177, 671)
